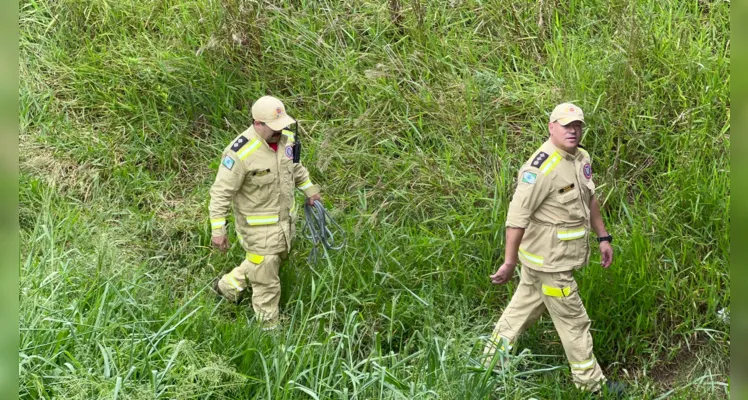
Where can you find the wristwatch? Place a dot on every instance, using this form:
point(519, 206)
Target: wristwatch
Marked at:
point(608, 238)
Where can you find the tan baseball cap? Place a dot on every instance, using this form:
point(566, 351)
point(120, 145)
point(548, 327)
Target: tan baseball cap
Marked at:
point(567, 112)
point(272, 112)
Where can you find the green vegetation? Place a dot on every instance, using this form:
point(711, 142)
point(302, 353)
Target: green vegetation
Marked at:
point(415, 116)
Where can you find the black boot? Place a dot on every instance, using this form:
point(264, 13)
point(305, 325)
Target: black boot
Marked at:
point(613, 388)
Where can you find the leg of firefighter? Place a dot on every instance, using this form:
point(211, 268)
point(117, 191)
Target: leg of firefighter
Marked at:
point(231, 285)
point(573, 326)
point(266, 288)
point(523, 310)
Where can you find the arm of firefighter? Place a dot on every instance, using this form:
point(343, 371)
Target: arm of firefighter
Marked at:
point(596, 220)
point(532, 189)
point(229, 179)
point(303, 182)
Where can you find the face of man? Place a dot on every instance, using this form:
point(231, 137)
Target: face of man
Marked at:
point(566, 137)
point(266, 132)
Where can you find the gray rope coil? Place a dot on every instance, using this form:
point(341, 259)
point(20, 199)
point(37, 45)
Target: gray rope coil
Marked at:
point(317, 224)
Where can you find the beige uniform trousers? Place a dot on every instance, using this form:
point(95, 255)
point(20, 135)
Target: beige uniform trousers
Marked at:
point(556, 292)
point(261, 274)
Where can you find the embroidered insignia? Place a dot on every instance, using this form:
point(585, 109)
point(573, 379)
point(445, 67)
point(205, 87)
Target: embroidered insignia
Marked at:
point(529, 177)
point(587, 169)
point(539, 159)
point(289, 151)
point(278, 112)
point(228, 162)
point(239, 143)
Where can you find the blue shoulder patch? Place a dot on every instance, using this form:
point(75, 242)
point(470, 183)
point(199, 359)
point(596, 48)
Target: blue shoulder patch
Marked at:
point(228, 162)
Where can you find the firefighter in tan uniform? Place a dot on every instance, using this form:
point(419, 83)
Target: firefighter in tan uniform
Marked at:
point(548, 225)
point(258, 175)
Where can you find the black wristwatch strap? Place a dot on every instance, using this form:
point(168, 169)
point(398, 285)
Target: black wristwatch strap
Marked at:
point(608, 238)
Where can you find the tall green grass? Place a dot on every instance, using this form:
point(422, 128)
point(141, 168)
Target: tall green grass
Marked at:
point(415, 116)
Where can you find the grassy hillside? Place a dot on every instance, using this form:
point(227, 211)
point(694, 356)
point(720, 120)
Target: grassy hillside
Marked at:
point(415, 116)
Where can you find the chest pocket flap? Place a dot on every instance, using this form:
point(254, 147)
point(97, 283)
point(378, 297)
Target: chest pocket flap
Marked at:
point(262, 177)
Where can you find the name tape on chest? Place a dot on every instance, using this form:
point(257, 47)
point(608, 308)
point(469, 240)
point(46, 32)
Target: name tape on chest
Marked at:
point(566, 188)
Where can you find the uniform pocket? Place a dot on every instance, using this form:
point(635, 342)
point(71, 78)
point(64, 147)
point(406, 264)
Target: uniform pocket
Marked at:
point(256, 228)
point(569, 246)
point(572, 203)
point(262, 178)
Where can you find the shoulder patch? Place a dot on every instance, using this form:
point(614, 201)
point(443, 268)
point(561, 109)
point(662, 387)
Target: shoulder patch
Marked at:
point(539, 159)
point(239, 143)
point(529, 177)
point(228, 162)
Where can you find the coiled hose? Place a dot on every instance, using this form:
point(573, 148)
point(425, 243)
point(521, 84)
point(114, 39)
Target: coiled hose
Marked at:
point(317, 223)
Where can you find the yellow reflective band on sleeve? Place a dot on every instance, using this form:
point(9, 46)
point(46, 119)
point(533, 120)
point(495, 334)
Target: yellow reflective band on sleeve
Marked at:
point(305, 185)
point(584, 365)
point(249, 149)
point(255, 258)
point(535, 259)
point(550, 163)
point(262, 220)
point(293, 207)
point(234, 283)
point(289, 135)
point(556, 292)
point(571, 234)
point(217, 223)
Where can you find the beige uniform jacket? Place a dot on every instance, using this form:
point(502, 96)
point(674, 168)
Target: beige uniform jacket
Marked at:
point(260, 183)
point(552, 203)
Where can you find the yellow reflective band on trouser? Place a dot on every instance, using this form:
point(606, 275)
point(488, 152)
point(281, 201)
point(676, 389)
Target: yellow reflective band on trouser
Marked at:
point(233, 282)
point(556, 292)
point(255, 258)
point(550, 163)
point(305, 185)
point(535, 259)
point(495, 338)
point(571, 234)
point(249, 149)
point(584, 365)
point(217, 223)
point(262, 220)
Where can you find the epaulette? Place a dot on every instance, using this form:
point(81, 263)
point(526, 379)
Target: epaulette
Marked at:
point(539, 159)
point(239, 143)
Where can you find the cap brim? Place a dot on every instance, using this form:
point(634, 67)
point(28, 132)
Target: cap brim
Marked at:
point(280, 123)
point(568, 120)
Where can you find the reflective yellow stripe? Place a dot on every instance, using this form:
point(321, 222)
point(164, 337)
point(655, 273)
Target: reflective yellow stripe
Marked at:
point(556, 292)
point(249, 149)
point(571, 234)
point(234, 283)
point(496, 338)
point(550, 163)
point(290, 135)
point(262, 220)
point(293, 208)
point(217, 223)
point(584, 365)
point(305, 185)
point(255, 258)
point(535, 259)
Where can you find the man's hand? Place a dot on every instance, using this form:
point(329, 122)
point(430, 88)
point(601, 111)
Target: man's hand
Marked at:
point(606, 254)
point(503, 274)
point(311, 200)
point(221, 242)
